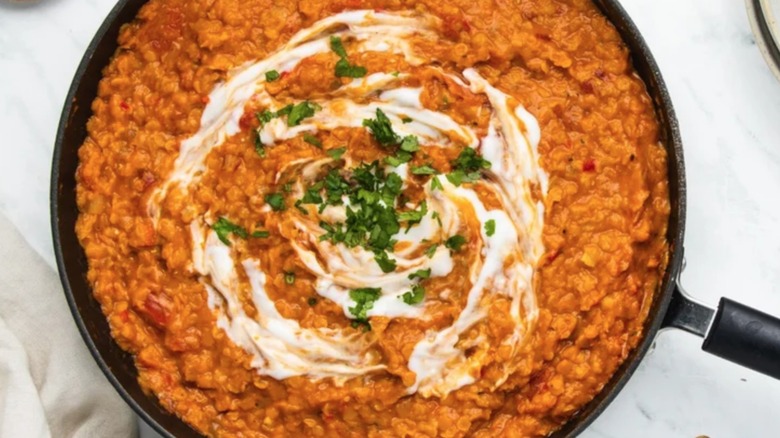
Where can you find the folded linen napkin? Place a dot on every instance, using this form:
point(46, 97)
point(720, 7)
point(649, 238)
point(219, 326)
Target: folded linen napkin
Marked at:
point(49, 384)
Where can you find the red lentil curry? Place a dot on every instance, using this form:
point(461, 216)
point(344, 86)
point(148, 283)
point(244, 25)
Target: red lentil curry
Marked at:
point(384, 218)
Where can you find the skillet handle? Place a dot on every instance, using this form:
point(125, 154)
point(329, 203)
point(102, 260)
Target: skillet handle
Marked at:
point(745, 336)
point(733, 331)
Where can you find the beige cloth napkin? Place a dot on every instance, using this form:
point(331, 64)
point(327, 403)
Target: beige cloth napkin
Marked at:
point(49, 384)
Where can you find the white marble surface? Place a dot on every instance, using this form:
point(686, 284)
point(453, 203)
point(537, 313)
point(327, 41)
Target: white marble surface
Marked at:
point(728, 106)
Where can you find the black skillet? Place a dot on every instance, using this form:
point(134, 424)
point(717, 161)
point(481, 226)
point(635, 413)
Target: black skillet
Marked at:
point(732, 331)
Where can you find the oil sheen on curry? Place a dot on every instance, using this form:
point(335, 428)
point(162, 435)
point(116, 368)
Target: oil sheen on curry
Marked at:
point(343, 218)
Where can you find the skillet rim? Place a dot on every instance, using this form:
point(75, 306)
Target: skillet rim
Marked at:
point(646, 67)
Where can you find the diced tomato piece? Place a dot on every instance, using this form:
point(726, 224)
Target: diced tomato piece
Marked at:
point(589, 165)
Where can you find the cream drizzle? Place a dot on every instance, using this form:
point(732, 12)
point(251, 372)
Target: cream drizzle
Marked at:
point(279, 346)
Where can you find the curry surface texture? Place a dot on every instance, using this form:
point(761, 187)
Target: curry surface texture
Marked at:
point(605, 209)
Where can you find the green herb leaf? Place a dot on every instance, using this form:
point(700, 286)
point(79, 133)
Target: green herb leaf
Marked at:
point(311, 302)
point(300, 111)
point(289, 277)
point(398, 159)
point(385, 262)
point(455, 242)
point(346, 70)
point(337, 46)
point(407, 120)
point(410, 144)
point(336, 153)
point(425, 169)
point(414, 216)
point(422, 274)
point(436, 216)
point(431, 251)
point(260, 234)
point(312, 140)
point(276, 201)
point(436, 184)
point(459, 177)
point(381, 129)
point(364, 301)
point(415, 296)
point(271, 75)
point(223, 227)
point(490, 227)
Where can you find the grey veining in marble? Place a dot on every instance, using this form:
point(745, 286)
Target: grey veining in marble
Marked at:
point(728, 104)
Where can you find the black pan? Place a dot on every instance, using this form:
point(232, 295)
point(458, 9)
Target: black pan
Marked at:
point(732, 331)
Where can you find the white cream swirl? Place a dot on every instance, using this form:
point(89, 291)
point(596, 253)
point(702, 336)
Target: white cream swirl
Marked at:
point(505, 258)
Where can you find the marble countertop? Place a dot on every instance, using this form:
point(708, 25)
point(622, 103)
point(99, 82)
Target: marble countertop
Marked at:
point(728, 105)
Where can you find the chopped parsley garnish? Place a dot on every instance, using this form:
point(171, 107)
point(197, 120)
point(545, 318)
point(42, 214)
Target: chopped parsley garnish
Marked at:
point(436, 216)
point(436, 184)
point(371, 218)
point(312, 140)
point(490, 227)
point(425, 169)
point(225, 228)
point(407, 120)
point(422, 274)
point(343, 68)
point(272, 75)
point(364, 301)
point(289, 277)
point(336, 153)
point(455, 242)
point(381, 129)
point(415, 296)
point(260, 234)
point(431, 251)
point(295, 113)
point(410, 144)
point(467, 167)
point(414, 216)
point(301, 111)
point(276, 201)
point(311, 302)
point(398, 159)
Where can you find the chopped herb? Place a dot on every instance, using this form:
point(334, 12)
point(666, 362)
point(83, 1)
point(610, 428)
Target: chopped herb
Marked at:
point(490, 227)
point(399, 158)
point(467, 167)
point(455, 242)
point(336, 153)
point(346, 70)
point(260, 234)
point(360, 323)
point(422, 274)
point(300, 208)
point(410, 143)
point(436, 184)
point(364, 301)
point(415, 296)
point(276, 201)
point(436, 216)
point(395, 73)
point(289, 277)
point(337, 46)
point(385, 262)
point(459, 177)
point(381, 129)
point(301, 111)
point(414, 216)
point(425, 169)
point(265, 116)
point(407, 120)
point(312, 140)
point(224, 228)
point(287, 187)
point(272, 75)
point(431, 251)
point(311, 302)
point(343, 68)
